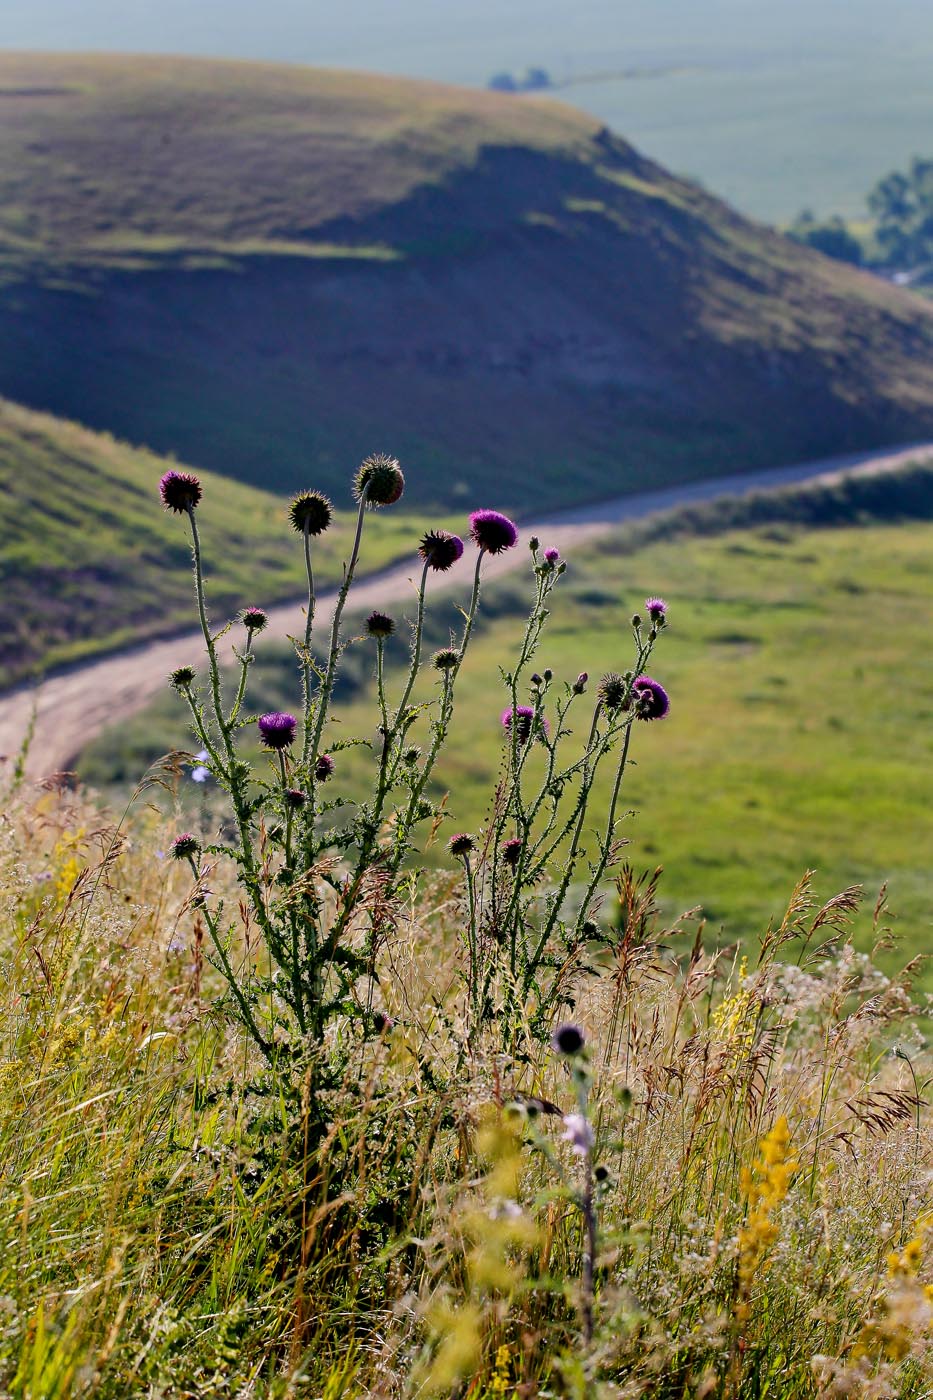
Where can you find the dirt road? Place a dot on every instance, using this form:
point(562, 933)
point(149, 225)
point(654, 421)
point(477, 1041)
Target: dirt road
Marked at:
point(74, 706)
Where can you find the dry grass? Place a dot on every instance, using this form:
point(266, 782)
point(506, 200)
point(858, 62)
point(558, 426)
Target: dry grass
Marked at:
point(164, 1234)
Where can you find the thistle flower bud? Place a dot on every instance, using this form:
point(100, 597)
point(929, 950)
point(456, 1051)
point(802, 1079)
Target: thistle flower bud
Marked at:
point(445, 659)
point(636, 620)
point(460, 845)
point(440, 549)
point(295, 798)
point(324, 767)
point(254, 619)
point(579, 684)
point(536, 679)
point(181, 678)
point(311, 511)
point(380, 478)
point(551, 556)
point(180, 491)
point(534, 544)
point(568, 1039)
point(612, 691)
point(382, 1023)
point(411, 754)
point(512, 851)
point(184, 846)
point(548, 674)
point(379, 624)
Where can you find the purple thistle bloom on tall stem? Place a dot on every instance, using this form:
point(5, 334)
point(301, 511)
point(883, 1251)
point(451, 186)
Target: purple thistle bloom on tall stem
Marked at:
point(493, 531)
point(656, 608)
point(440, 549)
point(512, 851)
point(324, 767)
point(523, 716)
point(185, 845)
point(180, 491)
point(277, 730)
point(551, 555)
point(651, 699)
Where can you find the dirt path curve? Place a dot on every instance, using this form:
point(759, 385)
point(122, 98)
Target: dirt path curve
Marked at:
point(75, 705)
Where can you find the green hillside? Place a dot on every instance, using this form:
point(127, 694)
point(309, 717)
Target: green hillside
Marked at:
point(257, 266)
point(89, 560)
point(799, 666)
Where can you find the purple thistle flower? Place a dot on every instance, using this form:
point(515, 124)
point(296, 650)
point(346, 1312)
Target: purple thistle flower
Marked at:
point(254, 619)
point(185, 845)
point(277, 730)
point(651, 699)
point(578, 1133)
point(440, 549)
point(380, 624)
point(551, 555)
point(656, 608)
point(524, 719)
point(295, 798)
point(460, 845)
point(324, 768)
point(512, 851)
point(180, 491)
point(492, 531)
point(568, 1039)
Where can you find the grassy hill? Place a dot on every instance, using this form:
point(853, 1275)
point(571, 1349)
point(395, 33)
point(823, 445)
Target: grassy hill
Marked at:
point(89, 559)
point(798, 661)
point(257, 266)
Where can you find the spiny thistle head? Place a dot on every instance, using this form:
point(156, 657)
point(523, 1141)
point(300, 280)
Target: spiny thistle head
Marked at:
point(440, 549)
point(656, 608)
point(551, 556)
point(185, 845)
point(460, 845)
point(180, 491)
point(568, 1039)
point(380, 478)
point(324, 768)
point(295, 798)
point(612, 691)
point(182, 677)
point(254, 619)
point(512, 851)
point(380, 624)
point(411, 754)
point(651, 699)
point(277, 730)
point(523, 717)
point(493, 531)
point(382, 1024)
point(445, 659)
point(311, 511)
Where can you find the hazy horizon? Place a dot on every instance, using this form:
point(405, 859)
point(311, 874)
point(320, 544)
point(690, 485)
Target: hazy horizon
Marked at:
point(834, 92)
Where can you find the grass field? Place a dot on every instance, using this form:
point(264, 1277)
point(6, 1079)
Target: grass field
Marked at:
point(89, 561)
point(253, 266)
point(798, 660)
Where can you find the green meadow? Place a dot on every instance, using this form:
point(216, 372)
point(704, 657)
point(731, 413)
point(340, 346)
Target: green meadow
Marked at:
point(798, 660)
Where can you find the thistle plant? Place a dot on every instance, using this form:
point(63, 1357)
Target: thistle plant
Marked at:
point(321, 877)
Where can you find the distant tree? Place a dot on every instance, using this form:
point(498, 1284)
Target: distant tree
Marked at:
point(502, 82)
point(535, 79)
point(832, 237)
point(902, 204)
